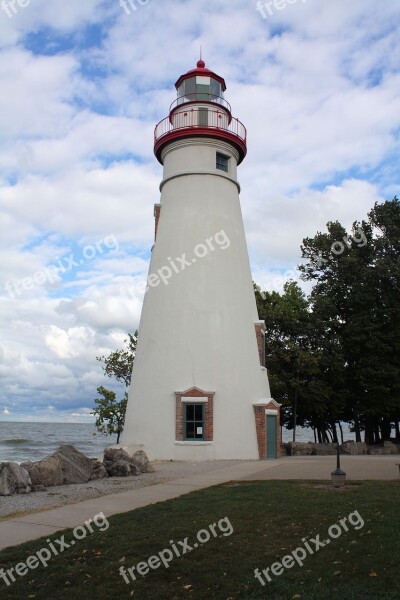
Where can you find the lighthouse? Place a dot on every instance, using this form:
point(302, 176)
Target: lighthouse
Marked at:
point(199, 386)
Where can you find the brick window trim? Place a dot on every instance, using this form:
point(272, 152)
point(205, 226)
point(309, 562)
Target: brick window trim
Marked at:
point(260, 335)
point(195, 396)
point(260, 412)
point(157, 212)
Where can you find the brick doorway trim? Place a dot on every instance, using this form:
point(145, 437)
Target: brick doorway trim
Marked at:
point(261, 409)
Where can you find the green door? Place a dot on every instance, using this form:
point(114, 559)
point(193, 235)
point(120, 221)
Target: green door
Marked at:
point(272, 433)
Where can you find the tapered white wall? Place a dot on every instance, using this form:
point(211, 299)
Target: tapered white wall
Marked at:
point(198, 329)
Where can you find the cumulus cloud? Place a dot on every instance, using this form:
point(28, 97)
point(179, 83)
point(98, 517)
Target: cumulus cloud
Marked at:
point(83, 85)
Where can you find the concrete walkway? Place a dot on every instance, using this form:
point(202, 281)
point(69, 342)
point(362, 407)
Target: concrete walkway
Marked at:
point(22, 529)
point(357, 468)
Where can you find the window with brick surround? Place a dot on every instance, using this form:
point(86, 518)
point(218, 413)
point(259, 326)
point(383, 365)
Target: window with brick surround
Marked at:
point(190, 421)
point(194, 421)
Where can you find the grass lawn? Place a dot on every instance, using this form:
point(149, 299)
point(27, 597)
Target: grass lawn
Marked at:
point(269, 520)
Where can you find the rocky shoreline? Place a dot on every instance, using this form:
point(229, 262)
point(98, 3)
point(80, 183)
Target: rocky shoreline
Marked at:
point(350, 448)
point(68, 466)
point(62, 495)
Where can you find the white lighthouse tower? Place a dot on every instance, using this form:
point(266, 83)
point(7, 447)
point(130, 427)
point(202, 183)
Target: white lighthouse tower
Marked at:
point(199, 385)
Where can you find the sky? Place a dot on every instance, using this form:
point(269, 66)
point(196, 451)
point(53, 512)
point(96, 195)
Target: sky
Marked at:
point(83, 84)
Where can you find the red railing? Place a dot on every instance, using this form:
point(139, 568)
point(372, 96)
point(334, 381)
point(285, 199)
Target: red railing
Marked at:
point(200, 118)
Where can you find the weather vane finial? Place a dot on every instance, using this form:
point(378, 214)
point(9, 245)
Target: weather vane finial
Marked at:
point(201, 64)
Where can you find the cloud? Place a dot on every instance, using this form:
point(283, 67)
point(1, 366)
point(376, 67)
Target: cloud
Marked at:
point(280, 248)
point(71, 343)
point(83, 85)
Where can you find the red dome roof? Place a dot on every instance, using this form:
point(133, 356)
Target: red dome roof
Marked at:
point(201, 70)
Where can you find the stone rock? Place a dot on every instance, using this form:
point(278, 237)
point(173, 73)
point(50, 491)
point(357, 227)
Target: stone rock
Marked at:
point(39, 488)
point(99, 470)
point(142, 462)
point(310, 449)
point(65, 466)
point(46, 472)
point(75, 466)
point(121, 468)
point(14, 479)
point(300, 449)
point(118, 463)
point(353, 448)
point(393, 446)
point(324, 450)
point(112, 455)
point(386, 448)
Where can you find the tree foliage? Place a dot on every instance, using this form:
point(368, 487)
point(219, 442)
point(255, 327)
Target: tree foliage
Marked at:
point(118, 364)
point(300, 361)
point(110, 412)
point(338, 350)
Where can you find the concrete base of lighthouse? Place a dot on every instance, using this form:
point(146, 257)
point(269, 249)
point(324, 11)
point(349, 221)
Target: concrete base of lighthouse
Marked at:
point(204, 450)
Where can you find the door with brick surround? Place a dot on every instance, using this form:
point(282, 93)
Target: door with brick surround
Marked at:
point(272, 436)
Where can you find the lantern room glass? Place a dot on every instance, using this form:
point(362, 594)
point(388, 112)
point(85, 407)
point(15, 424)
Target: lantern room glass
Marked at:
point(202, 88)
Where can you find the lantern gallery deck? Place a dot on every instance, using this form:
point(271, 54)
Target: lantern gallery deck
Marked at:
point(202, 121)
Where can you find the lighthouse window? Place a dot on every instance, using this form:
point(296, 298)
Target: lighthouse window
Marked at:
point(199, 88)
point(222, 162)
point(203, 117)
point(194, 421)
point(190, 88)
point(202, 92)
point(215, 88)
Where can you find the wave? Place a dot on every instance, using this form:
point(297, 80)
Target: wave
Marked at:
point(19, 442)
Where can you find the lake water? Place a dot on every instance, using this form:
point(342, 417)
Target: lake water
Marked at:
point(20, 442)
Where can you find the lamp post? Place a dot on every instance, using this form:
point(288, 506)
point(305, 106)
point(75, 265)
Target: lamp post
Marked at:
point(338, 476)
point(295, 414)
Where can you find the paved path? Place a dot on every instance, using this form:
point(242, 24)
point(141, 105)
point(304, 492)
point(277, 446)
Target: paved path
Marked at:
point(30, 527)
point(320, 467)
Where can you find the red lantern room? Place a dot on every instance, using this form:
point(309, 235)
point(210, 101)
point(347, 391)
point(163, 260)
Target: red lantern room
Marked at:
point(200, 110)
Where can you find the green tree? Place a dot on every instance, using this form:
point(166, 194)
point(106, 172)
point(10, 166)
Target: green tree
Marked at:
point(110, 412)
point(327, 392)
point(118, 364)
point(356, 295)
point(293, 359)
